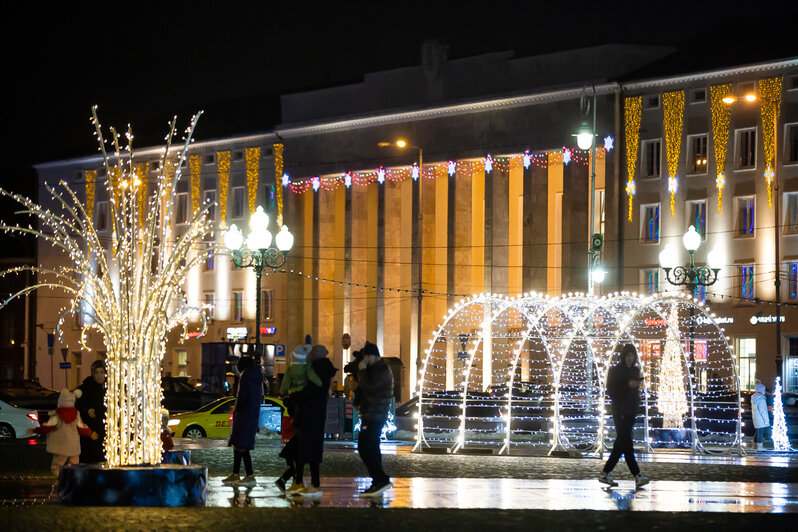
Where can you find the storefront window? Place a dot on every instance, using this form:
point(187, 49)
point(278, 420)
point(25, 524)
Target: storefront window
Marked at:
point(745, 348)
point(791, 376)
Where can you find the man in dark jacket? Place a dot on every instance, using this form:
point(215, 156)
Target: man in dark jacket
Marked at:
point(375, 389)
point(91, 405)
point(623, 383)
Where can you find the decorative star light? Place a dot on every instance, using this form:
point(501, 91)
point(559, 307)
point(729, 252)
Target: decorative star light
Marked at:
point(631, 188)
point(414, 171)
point(566, 156)
point(769, 174)
point(488, 164)
point(720, 181)
point(673, 184)
point(286, 180)
point(348, 179)
point(452, 167)
point(316, 184)
point(609, 143)
point(527, 159)
point(380, 175)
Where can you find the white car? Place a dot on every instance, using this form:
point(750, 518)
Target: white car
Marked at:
point(15, 421)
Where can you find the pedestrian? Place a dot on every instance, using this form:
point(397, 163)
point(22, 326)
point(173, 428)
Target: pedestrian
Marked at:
point(63, 431)
point(91, 406)
point(373, 399)
point(246, 415)
point(311, 425)
point(623, 387)
point(759, 415)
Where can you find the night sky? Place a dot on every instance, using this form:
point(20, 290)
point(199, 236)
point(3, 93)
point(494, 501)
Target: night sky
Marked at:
point(233, 59)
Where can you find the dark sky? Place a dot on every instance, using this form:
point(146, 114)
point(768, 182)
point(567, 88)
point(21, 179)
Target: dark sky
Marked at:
point(234, 58)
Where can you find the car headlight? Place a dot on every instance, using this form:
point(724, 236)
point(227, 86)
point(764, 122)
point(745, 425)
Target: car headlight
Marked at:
point(173, 422)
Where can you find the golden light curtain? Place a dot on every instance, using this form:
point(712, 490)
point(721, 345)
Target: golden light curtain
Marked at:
point(194, 166)
point(223, 167)
point(252, 156)
point(632, 109)
point(721, 116)
point(141, 191)
point(673, 107)
point(278, 181)
point(770, 107)
point(90, 176)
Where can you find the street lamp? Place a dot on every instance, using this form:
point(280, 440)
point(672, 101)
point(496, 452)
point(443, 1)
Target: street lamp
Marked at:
point(255, 252)
point(586, 139)
point(691, 275)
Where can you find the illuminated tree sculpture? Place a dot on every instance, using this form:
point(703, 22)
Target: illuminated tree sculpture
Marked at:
point(130, 291)
point(671, 400)
point(781, 442)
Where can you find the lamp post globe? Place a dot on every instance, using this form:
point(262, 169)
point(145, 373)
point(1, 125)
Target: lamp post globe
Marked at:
point(284, 239)
point(233, 238)
point(584, 138)
point(691, 240)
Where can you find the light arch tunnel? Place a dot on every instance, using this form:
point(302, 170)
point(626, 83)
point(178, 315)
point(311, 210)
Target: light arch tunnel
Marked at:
point(531, 371)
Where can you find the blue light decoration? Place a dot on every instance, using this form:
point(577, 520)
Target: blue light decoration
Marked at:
point(316, 184)
point(286, 180)
point(452, 166)
point(527, 159)
point(566, 156)
point(348, 179)
point(414, 172)
point(609, 143)
point(488, 164)
point(380, 175)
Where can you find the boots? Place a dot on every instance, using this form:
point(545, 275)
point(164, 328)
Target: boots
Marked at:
point(760, 446)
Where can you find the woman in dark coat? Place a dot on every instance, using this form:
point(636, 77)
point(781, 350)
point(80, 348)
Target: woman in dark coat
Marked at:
point(246, 415)
point(91, 405)
point(310, 447)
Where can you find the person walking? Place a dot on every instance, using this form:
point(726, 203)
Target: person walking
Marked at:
point(759, 415)
point(373, 399)
point(623, 387)
point(311, 424)
point(63, 430)
point(246, 415)
point(91, 406)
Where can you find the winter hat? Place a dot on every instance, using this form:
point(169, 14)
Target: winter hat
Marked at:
point(67, 398)
point(317, 352)
point(370, 349)
point(299, 354)
point(760, 388)
point(97, 364)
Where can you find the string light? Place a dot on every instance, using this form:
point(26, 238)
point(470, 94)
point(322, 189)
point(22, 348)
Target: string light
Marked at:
point(252, 156)
point(223, 168)
point(125, 294)
point(673, 110)
point(194, 165)
point(90, 176)
point(781, 442)
point(721, 117)
point(770, 108)
point(279, 164)
point(671, 401)
point(632, 111)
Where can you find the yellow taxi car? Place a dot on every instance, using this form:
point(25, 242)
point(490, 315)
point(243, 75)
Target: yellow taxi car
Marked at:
point(213, 420)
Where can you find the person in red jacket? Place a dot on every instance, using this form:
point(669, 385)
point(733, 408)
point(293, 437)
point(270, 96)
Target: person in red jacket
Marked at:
point(63, 431)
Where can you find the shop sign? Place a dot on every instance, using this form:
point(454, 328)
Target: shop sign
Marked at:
point(268, 330)
point(720, 320)
point(766, 319)
point(655, 323)
point(236, 333)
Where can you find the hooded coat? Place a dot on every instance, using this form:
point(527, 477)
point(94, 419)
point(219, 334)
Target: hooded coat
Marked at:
point(759, 408)
point(91, 406)
point(246, 412)
point(314, 412)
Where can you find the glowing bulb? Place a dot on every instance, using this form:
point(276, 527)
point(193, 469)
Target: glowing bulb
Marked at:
point(691, 239)
point(750, 97)
point(284, 239)
point(729, 99)
point(401, 143)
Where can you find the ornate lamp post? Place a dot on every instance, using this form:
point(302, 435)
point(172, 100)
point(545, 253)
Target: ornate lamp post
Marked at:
point(256, 252)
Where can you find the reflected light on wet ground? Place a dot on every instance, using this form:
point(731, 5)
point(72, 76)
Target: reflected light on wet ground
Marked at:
point(516, 494)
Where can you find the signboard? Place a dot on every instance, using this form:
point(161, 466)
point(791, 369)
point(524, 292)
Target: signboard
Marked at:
point(268, 331)
point(65, 365)
point(655, 322)
point(236, 333)
point(64, 352)
point(279, 350)
point(766, 319)
point(50, 343)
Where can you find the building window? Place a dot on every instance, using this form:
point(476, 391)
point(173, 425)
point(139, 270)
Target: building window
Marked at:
point(101, 222)
point(268, 198)
point(650, 280)
point(210, 158)
point(698, 217)
point(182, 362)
point(747, 282)
point(238, 155)
point(651, 102)
point(791, 213)
point(652, 155)
point(791, 143)
point(745, 216)
point(698, 96)
point(209, 262)
point(210, 306)
point(238, 306)
point(650, 224)
point(154, 166)
point(209, 197)
point(746, 361)
point(791, 374)
point(267, 302)
point(746, 148)
point(181, 208)
point(792, 281)
point(238, 202)
point(697, 156)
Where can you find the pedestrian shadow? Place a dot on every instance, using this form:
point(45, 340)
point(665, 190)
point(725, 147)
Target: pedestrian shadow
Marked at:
point(622, 500)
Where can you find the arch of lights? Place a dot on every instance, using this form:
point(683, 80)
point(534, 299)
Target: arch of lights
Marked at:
point(530, 371)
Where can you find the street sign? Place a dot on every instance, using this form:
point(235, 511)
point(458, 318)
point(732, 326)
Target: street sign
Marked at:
point(65, 365)
point(50, 343)
point(64, 352)
point(346, 341)
point(279, 350)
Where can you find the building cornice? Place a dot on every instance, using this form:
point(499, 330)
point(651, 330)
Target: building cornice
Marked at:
point(442, 112)
point(759, 68)
point(158, 150)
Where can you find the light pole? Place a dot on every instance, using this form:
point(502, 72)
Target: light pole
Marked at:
point(586, 139)
point(255, 252)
